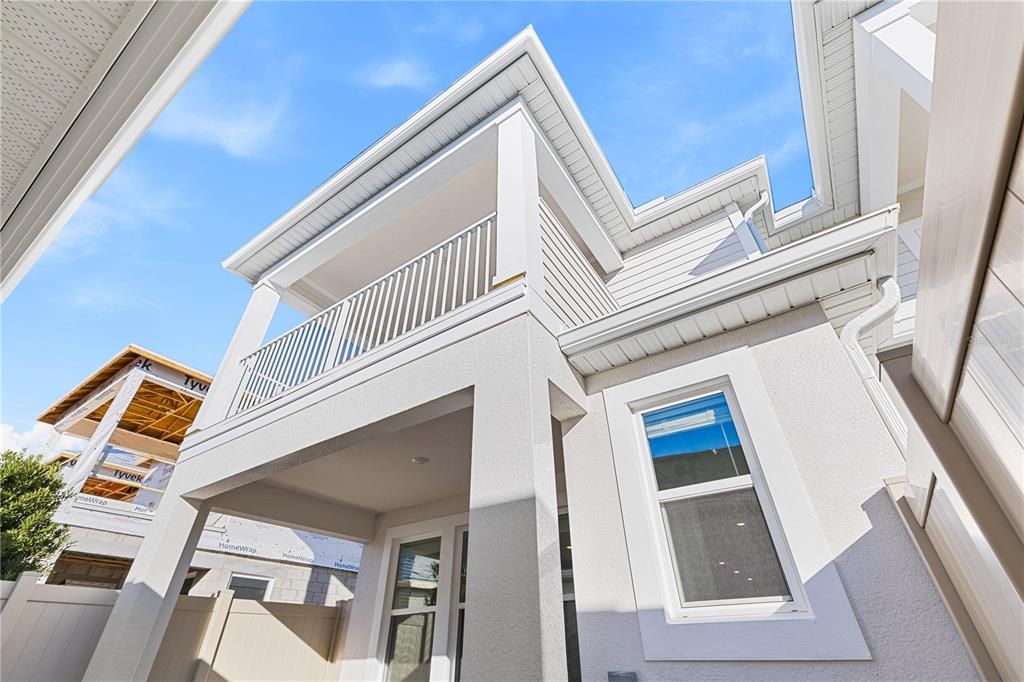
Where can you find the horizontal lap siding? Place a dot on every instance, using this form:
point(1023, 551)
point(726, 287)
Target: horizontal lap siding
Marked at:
point(906, 271)
point(666, 265)
point(572, 288)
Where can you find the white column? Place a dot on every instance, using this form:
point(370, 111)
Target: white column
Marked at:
point(101, 436)
point(514, 621)
point(518, 226)
point(135, 628)
point(247, 338)
point(878, 121)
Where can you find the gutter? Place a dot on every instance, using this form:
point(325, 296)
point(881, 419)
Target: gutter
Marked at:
point(867, 320)
point(865, 235)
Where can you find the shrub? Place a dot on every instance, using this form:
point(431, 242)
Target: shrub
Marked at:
point(30, 492)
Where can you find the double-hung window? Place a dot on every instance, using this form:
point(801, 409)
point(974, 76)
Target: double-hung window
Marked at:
point(413, 605)
point(716, 529)
point(726, 555)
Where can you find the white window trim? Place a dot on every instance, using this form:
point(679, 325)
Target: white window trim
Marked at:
point(720, 608)
point(269, 579)
point(826, 627)
point(441, 665)
point(453, 624)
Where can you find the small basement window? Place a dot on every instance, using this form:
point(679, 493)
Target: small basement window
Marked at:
point(250, 586)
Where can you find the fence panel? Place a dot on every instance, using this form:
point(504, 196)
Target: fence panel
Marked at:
point(50, 631)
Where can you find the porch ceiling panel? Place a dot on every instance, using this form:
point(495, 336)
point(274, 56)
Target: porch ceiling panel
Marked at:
point(379, 475)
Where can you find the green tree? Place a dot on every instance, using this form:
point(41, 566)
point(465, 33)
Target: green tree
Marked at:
point(30, 492)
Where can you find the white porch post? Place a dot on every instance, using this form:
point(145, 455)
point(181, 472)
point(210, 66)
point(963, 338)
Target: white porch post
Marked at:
point(108, 424)
point(518, 226)
point(247, 338)
point(893, 52)
point(135, 628)
point(514, 621)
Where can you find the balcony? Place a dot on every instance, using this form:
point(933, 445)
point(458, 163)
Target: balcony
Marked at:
point(450, 275)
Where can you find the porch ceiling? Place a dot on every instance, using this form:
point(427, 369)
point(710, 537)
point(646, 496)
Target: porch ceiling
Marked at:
point(378, 475)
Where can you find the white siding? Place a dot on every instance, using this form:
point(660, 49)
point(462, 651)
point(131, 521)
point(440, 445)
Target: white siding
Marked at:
point(906, 271)
point(571, 286)
point(670, 262)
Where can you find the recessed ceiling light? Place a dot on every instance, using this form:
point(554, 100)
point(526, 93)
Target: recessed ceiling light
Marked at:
point(420, 460)
point(736, 572)
point(749, 579)
point(721, 563)
point(741, 523)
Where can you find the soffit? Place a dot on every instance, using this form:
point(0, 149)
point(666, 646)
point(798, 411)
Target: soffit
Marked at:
point(55, 54)
point(837, 269)
point(551, 105)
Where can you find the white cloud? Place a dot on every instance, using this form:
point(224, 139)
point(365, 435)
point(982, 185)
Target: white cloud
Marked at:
point(127, 203)
point(787, 150)
point(242, 127)
point(396, 73)
point(35, 439)
point(109, 297)
point(461, 27)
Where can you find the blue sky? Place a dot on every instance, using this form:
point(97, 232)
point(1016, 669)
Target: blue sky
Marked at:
point(674, 93)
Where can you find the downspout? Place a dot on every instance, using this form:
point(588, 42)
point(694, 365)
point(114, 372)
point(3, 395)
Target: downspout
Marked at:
point(748, 219)
point(867, 320)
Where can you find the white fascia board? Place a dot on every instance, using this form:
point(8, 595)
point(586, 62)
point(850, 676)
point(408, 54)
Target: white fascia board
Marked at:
point(875, 233)
point(756, 167)
point(810, 67)
point(145, 77)
point(524, 43)
point(462, 88)
point(469, 149)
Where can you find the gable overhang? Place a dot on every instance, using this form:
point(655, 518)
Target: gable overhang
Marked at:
point(828, 264)
point(468, 150)
point(519, 70)
point(158, 45)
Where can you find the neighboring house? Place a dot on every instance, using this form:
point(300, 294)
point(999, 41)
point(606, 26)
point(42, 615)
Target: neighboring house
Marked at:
point(133, 413)
point(82, 81)
point(586, 440)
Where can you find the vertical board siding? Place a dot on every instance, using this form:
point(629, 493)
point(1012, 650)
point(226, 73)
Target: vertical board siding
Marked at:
point(668, 263)
point(987, 591)
point(987, 412)
point(572, 288)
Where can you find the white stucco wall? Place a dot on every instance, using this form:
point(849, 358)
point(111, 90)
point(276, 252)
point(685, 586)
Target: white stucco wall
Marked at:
point(842, 451)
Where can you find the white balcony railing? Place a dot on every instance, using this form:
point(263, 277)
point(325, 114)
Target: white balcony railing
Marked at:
point(433, 284)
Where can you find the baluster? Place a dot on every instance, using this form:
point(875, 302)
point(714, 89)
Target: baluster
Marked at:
point(354, 346)
point(447, 277)
point(434, 299)
point(478, 230)
point(488, 274)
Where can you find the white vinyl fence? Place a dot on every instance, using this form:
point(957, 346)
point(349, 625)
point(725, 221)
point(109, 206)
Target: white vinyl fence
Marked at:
point(49, 633)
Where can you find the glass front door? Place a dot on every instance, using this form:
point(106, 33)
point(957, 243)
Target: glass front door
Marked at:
point(413, 610)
